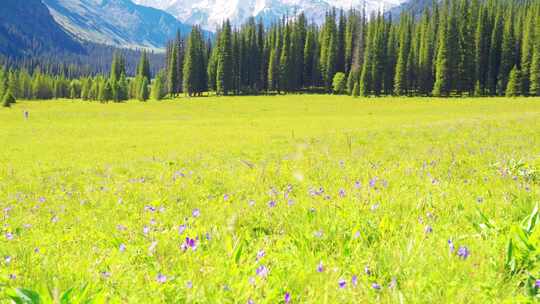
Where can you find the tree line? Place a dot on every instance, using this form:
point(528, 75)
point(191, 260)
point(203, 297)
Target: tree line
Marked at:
point(453, 48)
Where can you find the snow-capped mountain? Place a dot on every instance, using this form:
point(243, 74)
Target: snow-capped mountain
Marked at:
point(210, 13)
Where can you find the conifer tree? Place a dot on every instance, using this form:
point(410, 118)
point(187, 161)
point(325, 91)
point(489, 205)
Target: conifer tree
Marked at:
point(157, 90)
point(442, 69)
point(224, 67)
point(400, 80)
point(144, 93)
point(514, 83)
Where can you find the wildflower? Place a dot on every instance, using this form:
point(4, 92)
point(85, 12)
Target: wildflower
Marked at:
point(318, 234)
point(9, 236)
point(146, 230)
point(250, 301)
point(196, 212)
point(260, 254)
point(149, 208)
point(189, 243)
point(393, 283)
point(161, 278)
point(271, 204)
point(287, 298)
point(42, 199)
point(451, 246)
point(537, 284)
point(121, 228)
point(342, 193)
point(367, 271)
point(320, 267)
point(373, 182)
point(428, 229)
point(7, 258)
point(189, 284)
point(342, 283)
point(54, 219)
point(105, 274)
point(152, 247)
point(376, 286)
point(357, 234)
point(251, 280)
point(122, 247)
point(225, 197)
point(375, 207)
point(181, 229)
point(357, 184)
point(262, 271)
point(12, 276)
point(463, 252)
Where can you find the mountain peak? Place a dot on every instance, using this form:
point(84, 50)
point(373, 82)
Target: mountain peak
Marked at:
point(211, 13)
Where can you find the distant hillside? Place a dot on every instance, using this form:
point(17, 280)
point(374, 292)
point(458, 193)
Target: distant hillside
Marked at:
point(27, 28)
point(119, 23)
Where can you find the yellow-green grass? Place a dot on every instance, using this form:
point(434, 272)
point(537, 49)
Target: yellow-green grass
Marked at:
point(75, 179)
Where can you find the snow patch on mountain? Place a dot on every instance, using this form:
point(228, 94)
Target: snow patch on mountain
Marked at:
point(211, 13)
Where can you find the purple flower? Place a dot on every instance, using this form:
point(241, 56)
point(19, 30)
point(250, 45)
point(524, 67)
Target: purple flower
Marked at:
point(376, 286)
point(463, 252)
point(262, 271)
point(149, 208)
point(271, 204)
point(42, 199)
point(451, 246)
point(428, 229)
point(181, 229)
point(537, 284)
point(189, 243)
point(122, 247)
point(12, 276)
point(9, 236)
point(260, 254)
point(342, 283)
point(196, 212)
point(354, 280)
point(121, 227)
point(367, 271)
point(342, 193)
point(7, 258)
point(373, 182)
point(320, 267)
point(161, 278)
point(287, 298)
point(357, 184)
point(318, 234)
point(250, 301)
point(146, 230)
point(189, 285)
point(105, 274)
point(225, 197)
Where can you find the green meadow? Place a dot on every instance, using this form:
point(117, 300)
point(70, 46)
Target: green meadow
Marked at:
point(285, 199)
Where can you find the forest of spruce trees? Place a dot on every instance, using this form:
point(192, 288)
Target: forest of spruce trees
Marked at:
point(454, 48)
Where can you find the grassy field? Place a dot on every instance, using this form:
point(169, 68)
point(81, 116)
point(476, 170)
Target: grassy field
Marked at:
point(307, 199)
